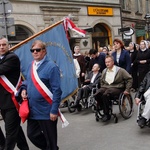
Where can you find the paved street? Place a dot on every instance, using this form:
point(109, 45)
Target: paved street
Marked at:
point(84, 133)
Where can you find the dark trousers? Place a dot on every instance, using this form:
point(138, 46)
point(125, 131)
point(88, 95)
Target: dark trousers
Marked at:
point(83, 93)
point(14, 132)
point(43, 133)
point(104, 95)
point(141, 76)
point(2, 138)
point(135, 78)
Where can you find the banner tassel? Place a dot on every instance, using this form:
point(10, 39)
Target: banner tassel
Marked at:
point(64, 122)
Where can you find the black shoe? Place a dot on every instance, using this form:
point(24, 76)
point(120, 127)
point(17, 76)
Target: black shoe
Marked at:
point(142, 122)
point(106, 118)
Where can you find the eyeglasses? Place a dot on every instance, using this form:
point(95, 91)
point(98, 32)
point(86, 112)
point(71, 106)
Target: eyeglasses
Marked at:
point(37, 50)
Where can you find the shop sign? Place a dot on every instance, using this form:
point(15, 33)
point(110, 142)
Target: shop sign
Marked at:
point(140, 33)
point(139, 26)
point(100, 11)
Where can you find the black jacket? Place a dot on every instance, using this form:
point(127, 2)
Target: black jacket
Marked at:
point(98, 60)
point(124, 60)
point(143, 55)
point(144, 86)
point(96, 80)
point(10, 67)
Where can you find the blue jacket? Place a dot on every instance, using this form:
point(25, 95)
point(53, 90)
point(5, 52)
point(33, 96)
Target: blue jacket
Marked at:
point(124, 60)
point(49, 74)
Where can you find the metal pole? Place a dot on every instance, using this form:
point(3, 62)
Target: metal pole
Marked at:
point(4, 15)
point(121, 16)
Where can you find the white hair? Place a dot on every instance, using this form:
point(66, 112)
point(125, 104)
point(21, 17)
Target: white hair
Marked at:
point(76, 47)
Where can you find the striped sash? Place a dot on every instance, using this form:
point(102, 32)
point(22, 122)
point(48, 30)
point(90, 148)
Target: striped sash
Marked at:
point(9, 87)
point(45, 92)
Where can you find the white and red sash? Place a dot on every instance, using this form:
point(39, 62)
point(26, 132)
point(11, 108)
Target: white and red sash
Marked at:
point(9, 87)
point(45, 92)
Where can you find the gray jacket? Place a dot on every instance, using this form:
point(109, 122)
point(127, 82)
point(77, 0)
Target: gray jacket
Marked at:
point(122, 80)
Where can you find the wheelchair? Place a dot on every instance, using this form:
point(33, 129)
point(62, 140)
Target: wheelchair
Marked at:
point(140, 109)
point(125, 103)
point(85, 103)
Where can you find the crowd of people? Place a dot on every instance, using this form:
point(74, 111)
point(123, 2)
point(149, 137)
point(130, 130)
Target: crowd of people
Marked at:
point(113, 70)
point(134, 59)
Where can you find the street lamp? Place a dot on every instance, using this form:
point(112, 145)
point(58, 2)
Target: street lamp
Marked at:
point(147, 27)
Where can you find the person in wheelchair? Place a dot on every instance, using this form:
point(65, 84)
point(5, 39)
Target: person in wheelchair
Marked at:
point(114, 81)
point(142, 94)
point(92, 80)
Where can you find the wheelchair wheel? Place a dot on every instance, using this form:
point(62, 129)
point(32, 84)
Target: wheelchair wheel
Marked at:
point(93, 108)
point(71, 110)
point(126, 106)
point(140, 110)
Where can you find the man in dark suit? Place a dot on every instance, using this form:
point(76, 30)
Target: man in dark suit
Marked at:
point(10, 69)
point(91, 81)
point(97, 58)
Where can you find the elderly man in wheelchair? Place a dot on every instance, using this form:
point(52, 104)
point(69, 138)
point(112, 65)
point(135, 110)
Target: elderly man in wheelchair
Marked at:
point(92, 80)
point(142, 97)
point(114, 81)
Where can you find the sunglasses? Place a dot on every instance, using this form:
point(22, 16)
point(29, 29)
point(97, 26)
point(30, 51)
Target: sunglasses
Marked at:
point(37, 50)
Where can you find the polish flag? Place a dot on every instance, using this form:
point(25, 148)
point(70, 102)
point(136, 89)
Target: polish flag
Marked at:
point(68, 24)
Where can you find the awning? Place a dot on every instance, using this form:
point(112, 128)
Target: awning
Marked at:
point(89, 29)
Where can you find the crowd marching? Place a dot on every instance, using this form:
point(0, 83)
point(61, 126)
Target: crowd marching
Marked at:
point(134, 59)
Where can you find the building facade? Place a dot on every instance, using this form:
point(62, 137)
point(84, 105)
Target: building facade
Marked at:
point(133, 15)
point(100, 19)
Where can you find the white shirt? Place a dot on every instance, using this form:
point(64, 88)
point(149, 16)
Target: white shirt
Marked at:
point(93, 78)
point(110, 75)
point(77, 68)
point(38, 63)
point(117, 57)
point(1, 57)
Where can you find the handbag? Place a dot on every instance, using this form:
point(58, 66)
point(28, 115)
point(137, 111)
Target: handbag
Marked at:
point(24, 110)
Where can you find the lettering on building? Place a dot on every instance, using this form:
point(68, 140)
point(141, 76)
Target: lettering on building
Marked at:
point(100, 11)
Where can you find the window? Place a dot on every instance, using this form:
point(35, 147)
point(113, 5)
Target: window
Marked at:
point(139, 6)
point(126, 4)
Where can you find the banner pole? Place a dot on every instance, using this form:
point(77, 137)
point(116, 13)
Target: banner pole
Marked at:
point(33, 36)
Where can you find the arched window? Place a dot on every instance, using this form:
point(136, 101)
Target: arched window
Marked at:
point(22, 33)
point(100, 30)
point(100, 36)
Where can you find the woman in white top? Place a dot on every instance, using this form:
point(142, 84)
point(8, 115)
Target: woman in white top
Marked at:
point(77, 68)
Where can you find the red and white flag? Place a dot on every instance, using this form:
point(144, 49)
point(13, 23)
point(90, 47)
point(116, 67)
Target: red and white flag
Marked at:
point(68, 24)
